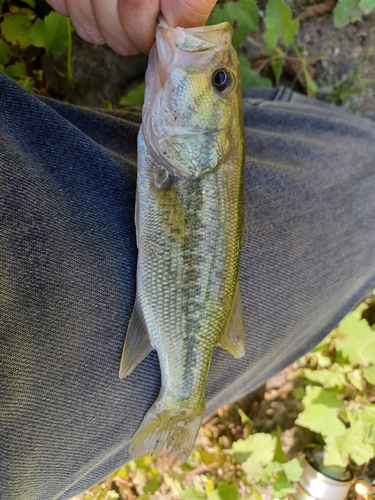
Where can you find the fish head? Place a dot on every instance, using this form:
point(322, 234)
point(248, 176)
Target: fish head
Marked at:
point(193, 98)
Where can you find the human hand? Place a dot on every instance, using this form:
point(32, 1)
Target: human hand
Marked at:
point(128, 26)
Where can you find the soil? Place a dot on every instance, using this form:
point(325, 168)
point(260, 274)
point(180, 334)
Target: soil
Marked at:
point(343, 52)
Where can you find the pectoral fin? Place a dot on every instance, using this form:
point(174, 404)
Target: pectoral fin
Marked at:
point(233, 338)
point(137, 343)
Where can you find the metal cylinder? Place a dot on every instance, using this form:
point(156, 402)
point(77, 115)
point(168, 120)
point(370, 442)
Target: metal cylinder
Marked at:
point(319, 482)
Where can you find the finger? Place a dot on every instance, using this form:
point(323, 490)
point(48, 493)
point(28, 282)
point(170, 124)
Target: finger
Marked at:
point(59, 6)
point(111, 29)
point(138, 19)
point(186, 13)
point(84, 22)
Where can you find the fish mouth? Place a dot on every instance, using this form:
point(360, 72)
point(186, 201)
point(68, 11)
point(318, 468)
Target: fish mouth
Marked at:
point(199, 39)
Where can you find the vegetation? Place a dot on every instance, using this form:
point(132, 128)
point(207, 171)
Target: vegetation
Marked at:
point(339, 395)
point(29, 30)
point(22, 33)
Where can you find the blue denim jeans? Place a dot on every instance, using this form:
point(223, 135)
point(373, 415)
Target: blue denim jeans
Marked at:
point(68, 261)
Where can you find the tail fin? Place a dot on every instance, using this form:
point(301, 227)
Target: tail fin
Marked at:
point(177, 429)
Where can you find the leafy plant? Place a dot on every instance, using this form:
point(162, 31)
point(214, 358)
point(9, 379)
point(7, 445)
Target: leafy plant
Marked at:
point(350, 85)
point(277, 40)
point(242, 14)
point(134, 97)
point(339, 398)
point(264, 462)
point(349, 11)
point(21, 29)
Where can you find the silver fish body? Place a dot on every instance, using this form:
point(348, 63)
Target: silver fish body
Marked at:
point(189, 219)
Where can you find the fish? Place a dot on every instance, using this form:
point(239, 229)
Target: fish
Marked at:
point(189, 224)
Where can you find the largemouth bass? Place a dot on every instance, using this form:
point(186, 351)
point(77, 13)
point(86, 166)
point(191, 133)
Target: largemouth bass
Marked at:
point(189, 220)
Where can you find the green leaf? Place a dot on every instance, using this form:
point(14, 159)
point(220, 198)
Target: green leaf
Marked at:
point(17, 70)
point(244, 418)
point(333, 454)
point(281, 489)
point(209, 488)
point(52, 33)
point(320, 418)
point(367, 6)
point(242, 14)
point(123, 473)
point(27, 84)
point(277, 64)
point(322, 345)
point(4, 53)
point(226, 491)
point(369, 374)
point(313, 88)
point(365, 431)
point(368, 414)
point(192, 493)
point(356, 340)
point(323, 361)
point(318, 395)
point(112, 495)
point(13, 9)
point(355, 378)
point(16, 29)
point(106, 104)
point(279, 25)
point(250, 77)
point(135, 97)
point(152, 485)
point(262, 448)
point(1, 5)
point(359, 450)
point(279, 455)
point(345, 12)
point(261, 445)
point(293, 470)
point(254, 495)
point(357, 412)
point(329, 378)
point(299, 392)
point(265, 474)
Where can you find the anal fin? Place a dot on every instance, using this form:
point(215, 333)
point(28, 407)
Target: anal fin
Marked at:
point(137, 343)
point(233, 338)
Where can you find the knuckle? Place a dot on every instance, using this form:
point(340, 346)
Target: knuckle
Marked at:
point(123, 47)
point(90, 35)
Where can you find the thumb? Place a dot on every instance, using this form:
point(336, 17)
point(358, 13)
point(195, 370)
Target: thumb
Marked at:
point(186, 13)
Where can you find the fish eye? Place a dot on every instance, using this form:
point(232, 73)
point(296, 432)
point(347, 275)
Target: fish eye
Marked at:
point(222, 80)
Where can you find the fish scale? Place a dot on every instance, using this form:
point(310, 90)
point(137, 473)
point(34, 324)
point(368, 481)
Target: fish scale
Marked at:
point(189, 228)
